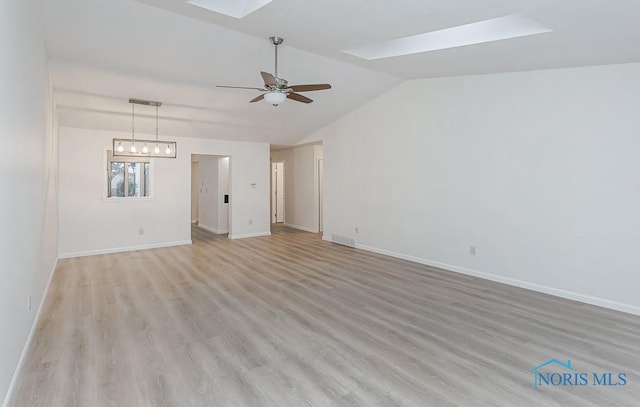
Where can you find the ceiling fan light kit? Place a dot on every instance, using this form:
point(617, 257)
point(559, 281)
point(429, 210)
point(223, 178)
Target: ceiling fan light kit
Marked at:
point(278, 89)
point(275, 98)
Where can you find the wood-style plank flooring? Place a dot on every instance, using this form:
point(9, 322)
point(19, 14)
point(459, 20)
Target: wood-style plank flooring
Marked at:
point(290, 320)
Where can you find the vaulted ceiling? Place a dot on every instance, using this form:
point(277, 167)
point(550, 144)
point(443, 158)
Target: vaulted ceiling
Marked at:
point(104, 52)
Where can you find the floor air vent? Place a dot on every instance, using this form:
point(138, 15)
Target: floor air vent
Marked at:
point(345, 240)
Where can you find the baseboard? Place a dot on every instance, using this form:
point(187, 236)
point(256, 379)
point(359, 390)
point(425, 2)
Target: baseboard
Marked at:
point(304, 228)
point(250, 235)
point(213, 230)
point(194, 221)
point(27, 345)
point(124, 249)
point(570, 295)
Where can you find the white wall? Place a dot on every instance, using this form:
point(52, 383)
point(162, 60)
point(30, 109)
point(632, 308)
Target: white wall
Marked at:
point(28, 222)
point(300, 186)
point(91, 224)
point(223, 189)
point(538, 170)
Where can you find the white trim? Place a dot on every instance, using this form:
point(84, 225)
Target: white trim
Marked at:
point(27, 344)
point(305, 228)
point(250, 235)
point(194, 220)
point(124, 249)
point(207, 228)
point(212, 230)
point(327, 238)
point(120, 199)
point(587, 299)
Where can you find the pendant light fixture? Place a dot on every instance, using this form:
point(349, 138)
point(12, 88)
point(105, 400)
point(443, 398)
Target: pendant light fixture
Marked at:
point(140, 148)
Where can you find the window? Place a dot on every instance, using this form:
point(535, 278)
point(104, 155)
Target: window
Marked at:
point(128, 177)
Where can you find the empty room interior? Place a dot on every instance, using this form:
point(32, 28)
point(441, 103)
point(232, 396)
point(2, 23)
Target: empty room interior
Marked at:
point(329, 203)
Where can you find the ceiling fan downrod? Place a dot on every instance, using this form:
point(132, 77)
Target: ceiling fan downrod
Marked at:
point(276, 41)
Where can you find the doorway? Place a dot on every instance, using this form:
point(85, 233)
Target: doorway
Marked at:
point(210, 193)
point(277, 192)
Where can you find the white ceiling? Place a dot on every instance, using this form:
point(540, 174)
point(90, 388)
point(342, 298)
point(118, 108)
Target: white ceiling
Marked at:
point(103, 52)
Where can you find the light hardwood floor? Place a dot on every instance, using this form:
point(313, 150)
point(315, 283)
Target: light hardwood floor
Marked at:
point(290, 320)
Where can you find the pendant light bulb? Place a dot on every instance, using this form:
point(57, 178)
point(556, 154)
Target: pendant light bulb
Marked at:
point(120, 148)
point(157, 149)
point(133, 149)
point(168, 150)
point(145, 150)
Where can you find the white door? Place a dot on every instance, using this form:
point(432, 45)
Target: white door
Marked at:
point(277, 192)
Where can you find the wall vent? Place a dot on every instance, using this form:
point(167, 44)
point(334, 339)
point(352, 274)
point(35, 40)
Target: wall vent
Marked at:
point(344, 240)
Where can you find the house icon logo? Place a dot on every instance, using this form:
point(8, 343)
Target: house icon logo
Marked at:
point(538, 378)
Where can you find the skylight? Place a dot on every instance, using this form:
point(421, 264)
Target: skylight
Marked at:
point(232, 8)
point(495, 29)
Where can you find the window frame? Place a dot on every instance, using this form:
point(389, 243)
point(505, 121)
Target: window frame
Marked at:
point(109, 158)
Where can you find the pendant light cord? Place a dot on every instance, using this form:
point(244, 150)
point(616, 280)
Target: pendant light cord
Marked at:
point(133, 119)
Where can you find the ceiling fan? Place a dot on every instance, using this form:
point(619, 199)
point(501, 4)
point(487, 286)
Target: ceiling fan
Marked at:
point(278, 89)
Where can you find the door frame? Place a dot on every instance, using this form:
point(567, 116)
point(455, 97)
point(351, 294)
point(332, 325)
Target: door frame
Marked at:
point(277, 191)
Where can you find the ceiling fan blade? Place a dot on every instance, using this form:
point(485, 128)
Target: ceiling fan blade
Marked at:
point(309, 88)
point(240, 87)
point(269, 79)
point(299, 98)
point(257, 98)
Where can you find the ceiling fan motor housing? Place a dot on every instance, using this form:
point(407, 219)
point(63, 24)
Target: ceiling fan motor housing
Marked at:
point(282, 83)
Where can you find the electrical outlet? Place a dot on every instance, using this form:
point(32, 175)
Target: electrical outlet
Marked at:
point(250, 222)
point(29, 303)
point(140, 231)
point(472, 250)
point(356, 230)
